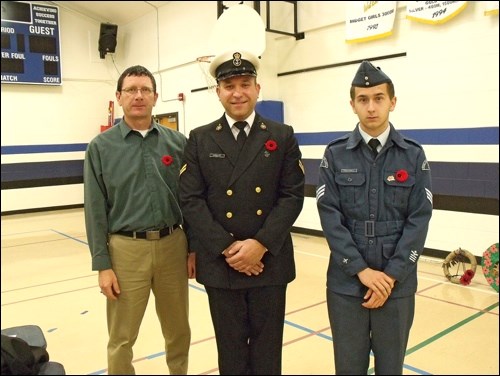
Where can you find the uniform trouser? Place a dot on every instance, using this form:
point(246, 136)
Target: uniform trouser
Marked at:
point(141, 266)
point(357, 330)
point(248, 325)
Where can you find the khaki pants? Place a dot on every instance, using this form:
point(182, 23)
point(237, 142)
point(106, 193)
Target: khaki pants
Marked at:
point(142, 266)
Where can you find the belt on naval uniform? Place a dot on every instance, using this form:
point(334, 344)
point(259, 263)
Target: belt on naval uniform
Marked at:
point(371, 229)
point(150, 234)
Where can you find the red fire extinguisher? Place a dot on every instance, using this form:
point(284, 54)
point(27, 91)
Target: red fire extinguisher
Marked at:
point(111, 116)
point(111, 113)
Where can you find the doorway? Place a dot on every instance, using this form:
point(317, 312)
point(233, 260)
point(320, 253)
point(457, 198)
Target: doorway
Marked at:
point(169, 120)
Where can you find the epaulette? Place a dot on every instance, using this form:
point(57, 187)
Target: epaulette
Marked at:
point(412, 141)
point(342, 138)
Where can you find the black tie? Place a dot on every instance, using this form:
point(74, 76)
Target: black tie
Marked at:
point(374, 143)
point(242, 136)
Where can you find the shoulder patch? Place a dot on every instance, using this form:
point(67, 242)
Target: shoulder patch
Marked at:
point(425, 166)
point(324, 163)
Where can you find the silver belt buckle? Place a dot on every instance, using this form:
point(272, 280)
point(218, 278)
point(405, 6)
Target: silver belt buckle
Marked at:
point(153, 235)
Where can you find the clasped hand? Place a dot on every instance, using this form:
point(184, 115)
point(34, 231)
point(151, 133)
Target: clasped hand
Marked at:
point(245, 256)
point(379, 285)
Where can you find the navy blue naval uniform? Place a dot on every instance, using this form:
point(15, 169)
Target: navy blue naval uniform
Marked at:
point(227, 195)
point(374, 212)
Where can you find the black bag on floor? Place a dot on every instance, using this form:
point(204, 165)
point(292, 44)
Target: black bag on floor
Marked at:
point(19, 358)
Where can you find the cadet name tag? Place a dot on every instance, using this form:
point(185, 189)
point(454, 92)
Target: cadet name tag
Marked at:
point(215, 155)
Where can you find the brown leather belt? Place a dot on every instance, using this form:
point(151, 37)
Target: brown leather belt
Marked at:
point(150, 234)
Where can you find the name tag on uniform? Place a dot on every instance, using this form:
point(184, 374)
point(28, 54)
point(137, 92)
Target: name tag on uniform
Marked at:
point(215, 155)
point(348, 170)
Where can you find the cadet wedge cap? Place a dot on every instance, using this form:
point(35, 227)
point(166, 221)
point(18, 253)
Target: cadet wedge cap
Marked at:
point(369, 75)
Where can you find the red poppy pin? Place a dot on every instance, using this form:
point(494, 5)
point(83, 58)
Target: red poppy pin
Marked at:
point(401, 175)
point(167, 160)
point(271, 145)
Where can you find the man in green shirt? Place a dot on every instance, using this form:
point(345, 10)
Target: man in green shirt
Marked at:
point(133, 221)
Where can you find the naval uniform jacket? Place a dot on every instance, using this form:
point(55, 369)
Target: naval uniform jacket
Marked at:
point(228, 195)
point(374, 211)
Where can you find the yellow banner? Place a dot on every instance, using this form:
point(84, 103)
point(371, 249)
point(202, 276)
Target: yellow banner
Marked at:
point(490, 8)
point(434, 12)
point(369, 20)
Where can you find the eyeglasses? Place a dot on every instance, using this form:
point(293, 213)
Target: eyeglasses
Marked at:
point(135, 90)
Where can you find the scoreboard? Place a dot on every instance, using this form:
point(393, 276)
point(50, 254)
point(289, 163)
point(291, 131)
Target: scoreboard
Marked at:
point(30, 44)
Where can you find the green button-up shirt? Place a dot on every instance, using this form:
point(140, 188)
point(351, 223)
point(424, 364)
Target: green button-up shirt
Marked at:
point(130, 184)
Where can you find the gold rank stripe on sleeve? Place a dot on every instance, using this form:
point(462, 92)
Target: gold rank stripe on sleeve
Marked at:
point(301, 167)
point(183, 168)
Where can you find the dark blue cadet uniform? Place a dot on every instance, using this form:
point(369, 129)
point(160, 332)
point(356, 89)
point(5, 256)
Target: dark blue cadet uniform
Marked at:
point(374, 213)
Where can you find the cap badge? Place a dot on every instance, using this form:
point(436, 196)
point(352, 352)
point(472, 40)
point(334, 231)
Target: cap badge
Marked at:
point(236, 59)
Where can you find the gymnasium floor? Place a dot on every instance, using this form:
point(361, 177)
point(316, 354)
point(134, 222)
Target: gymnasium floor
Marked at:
point(47, 281)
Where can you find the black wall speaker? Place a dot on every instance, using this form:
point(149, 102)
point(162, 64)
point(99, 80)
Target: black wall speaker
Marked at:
point(107, 39)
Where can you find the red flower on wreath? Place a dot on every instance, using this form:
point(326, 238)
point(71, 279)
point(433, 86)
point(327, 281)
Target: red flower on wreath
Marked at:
point(469, 273)
point(271, 145)
point(466, 278)
point(401, 175)
point(167, 160)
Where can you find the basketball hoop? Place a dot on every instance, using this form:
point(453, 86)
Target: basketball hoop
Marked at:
point(204, 64)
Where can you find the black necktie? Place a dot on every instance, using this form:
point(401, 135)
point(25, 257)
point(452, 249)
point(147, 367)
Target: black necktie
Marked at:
point(242, 136)
point(374, 143)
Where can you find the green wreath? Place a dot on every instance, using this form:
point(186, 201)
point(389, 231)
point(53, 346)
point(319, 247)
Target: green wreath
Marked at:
point(460, 266)
point(490, 265)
